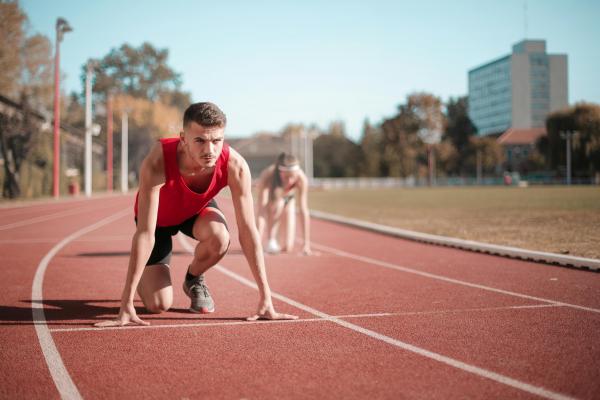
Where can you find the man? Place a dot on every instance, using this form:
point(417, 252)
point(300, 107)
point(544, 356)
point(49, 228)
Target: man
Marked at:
point(178, 182)
point(278, 187)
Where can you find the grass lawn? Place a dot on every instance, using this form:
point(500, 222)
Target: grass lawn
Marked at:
point(557, 219)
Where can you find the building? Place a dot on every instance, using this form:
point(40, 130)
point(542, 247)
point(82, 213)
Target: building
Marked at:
point(518, 90)
point(518, 145)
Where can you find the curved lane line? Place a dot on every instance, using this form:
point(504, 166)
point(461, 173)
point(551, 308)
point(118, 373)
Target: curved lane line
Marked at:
point(60, 375)
point(526, 387)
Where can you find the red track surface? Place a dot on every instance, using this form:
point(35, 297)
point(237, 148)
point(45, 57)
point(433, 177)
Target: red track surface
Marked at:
point(379, 318)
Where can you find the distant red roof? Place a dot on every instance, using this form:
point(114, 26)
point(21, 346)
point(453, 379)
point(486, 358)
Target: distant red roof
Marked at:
point(521, 136)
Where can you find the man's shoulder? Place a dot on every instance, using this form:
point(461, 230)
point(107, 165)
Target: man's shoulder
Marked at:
point(154, 161)
point(236, 160)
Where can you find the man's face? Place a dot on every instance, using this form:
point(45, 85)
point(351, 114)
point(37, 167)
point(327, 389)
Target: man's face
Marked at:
point(203, 145)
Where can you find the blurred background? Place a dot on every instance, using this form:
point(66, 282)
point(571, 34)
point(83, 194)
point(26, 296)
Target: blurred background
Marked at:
point(366, 94)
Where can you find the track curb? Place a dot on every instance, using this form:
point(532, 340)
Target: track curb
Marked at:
point(504, 251)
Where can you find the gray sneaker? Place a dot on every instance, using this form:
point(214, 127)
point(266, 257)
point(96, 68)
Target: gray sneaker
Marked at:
point(198, 292)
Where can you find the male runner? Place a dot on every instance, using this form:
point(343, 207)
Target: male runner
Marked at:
point(178, 181)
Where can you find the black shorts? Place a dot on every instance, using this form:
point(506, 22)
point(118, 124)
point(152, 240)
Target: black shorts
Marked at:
point(163, 242)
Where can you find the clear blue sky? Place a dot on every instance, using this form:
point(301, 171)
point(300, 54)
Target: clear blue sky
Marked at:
point(267, 63)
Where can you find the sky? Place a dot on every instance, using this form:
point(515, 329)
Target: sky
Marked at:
point(270, 63)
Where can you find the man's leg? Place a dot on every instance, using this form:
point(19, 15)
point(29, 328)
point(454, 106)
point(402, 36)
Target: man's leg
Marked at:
point(210, 229)
point(155, 287)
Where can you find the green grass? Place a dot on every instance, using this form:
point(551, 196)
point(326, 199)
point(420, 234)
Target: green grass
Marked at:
point(557, 219)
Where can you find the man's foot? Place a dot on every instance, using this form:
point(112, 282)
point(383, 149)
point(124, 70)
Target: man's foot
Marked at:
point(198, 292)
point(273, 247)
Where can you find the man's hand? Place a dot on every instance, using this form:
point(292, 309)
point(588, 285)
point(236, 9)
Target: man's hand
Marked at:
point(266, 311)
point(127, 316)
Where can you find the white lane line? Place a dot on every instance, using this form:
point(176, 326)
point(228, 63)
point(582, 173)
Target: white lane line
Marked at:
point(455, 311)
point(60, 375)
point(46, 218)
point(384, 264)
point(184, 325)
point(53, 240)
point(526, 387)
point(263, 322)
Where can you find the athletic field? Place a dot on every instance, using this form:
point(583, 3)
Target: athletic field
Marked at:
point(379, 317)
point(556, 219)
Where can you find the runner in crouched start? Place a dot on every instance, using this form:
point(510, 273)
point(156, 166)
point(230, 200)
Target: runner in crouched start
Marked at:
point(178, 182)
point(279, 185)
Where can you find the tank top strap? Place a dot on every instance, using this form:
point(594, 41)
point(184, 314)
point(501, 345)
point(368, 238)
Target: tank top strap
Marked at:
point(223, 163)
point(169, 146)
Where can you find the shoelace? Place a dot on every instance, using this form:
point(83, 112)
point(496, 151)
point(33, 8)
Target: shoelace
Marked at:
point(198, 287)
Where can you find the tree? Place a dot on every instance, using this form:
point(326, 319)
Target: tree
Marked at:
point(26, 64)
point(418, 122)
point(458, 132)
point(372, 150)
point(335, 155)
point(584, 118)
point(16, 131)
point(489, 150)
point(11, 40)
point(140, 72)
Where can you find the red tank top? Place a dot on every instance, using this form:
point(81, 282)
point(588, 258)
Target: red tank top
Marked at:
point(177, 201)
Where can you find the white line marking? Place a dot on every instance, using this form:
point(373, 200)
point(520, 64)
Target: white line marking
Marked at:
point(53, 240)
point(46, 218)
point(384, 264)
point(455, 311)
point(262, 322)
point(184, 325)
point(60, 375)
point(504, 251)
point(540, 391)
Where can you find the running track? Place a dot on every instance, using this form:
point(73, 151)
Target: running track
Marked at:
point(379, 318)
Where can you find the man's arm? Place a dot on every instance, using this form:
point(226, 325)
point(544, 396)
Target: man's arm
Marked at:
point(304, 214)
point(240, 184)
point(151, 180)
point(262, 195)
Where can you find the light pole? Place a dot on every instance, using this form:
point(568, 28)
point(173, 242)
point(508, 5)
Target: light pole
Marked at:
point(568, 135)
point(124, 150)
point(91, 129)
point(109, 142)
point(62, 26)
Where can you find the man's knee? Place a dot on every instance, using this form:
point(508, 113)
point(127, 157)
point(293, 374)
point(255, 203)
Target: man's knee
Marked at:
point(218, 243)
point(157, 307)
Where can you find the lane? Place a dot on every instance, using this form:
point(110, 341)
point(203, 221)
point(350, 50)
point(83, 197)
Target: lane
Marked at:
point(545, 281)
point(21, 360)
point(552, 347)
point(294, 359)
point(579, 325)
point(310, 358)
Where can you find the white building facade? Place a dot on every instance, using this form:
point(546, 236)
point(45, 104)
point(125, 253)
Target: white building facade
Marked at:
point(518, 90)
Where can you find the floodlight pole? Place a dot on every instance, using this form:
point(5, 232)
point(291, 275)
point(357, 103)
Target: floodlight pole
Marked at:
point(88, 130)
point(308, 155)
point(568, 135)
point(62, 26)
point(124, 151)
point(109, 143)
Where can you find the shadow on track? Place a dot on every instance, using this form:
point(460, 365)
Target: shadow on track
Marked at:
point(86, 312)
point(119, 254)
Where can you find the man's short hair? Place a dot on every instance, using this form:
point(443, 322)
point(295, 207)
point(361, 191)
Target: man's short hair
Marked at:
point(205, 114)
